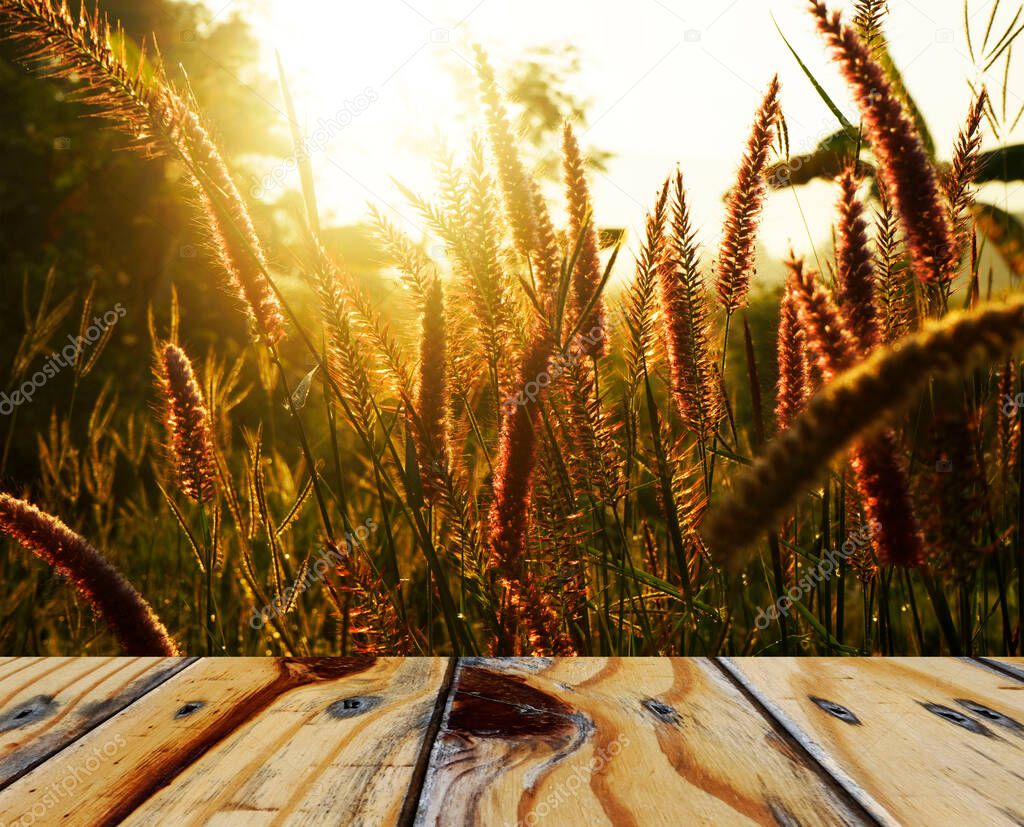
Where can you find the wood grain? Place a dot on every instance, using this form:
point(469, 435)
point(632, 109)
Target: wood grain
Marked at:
point(581, 741)
point(46, 703)
point(916, 740)
point(248, 741)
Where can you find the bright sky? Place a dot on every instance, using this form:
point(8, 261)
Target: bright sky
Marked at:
point(670, 81)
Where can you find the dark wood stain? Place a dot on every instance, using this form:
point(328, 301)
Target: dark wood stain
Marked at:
point(27, 712)
point(495, 705)
point(293, 673)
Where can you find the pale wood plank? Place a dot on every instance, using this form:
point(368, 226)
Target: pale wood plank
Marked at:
point(633, 741)
point(918, 740)
point(248, 741)
point(46, 703)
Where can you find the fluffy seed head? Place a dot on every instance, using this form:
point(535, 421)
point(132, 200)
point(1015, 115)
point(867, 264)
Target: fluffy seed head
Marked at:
point(855, 269)
point(188, 424)
point(960, 176)
point(906, 169)
point(587, 275)
point(794, 380)
point(432, 392)
point(743, 212)
point(687, 324)
point(110, 595)
point(232, 234)
point(852, 407)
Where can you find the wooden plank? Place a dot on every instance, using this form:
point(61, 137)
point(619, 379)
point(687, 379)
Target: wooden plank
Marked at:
point(46, 703)
point(623, 741)
point(916, 740)
point(248, 741)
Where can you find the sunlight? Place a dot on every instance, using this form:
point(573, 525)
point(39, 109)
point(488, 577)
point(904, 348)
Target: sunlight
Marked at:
point(370, 108)
point(374, 108)
point(440, 408)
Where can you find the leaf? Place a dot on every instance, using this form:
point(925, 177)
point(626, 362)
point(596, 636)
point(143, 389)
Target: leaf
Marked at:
point(1003, 164)
point(826, 161)
point(1005, 232)
point(301, 392)
point(848, 127)
point(180, 518)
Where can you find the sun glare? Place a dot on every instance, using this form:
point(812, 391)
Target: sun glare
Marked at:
point(380, 85)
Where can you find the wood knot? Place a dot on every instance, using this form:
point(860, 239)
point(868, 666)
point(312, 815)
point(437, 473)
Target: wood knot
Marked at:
point(189, 708)
point(27, 712)
point(493, 705)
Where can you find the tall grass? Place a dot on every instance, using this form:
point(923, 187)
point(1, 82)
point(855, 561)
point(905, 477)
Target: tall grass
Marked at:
point(541, 464)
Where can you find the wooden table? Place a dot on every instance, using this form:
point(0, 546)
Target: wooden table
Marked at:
point(587, 741)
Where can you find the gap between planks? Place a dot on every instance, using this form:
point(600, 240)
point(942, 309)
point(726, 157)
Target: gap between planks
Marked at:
point(419, 774)
point(149, 679)
point(849, 788)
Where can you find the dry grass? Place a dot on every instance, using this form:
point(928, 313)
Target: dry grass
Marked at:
point(542, 466)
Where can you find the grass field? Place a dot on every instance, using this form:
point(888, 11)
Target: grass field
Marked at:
point(518, 458)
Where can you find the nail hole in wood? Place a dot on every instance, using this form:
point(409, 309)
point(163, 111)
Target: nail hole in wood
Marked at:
point(189, 708)
point(349, 707)
point(957, 718)
point(661, 711)
point(989, 714)
point(836, 710)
